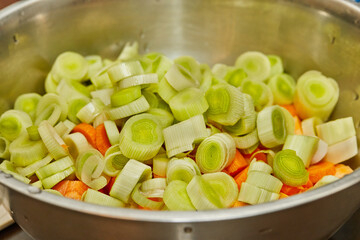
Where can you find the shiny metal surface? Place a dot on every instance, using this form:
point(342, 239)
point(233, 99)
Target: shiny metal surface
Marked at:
point(308, 34)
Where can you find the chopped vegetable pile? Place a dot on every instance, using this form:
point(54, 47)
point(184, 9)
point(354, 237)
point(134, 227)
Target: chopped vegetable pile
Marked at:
point(148, 132)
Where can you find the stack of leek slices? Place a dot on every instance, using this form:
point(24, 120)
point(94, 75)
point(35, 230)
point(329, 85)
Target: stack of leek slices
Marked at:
point(175, 127)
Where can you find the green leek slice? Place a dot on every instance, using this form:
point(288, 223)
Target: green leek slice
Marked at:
point(283, 88)
point(123, 70)
point(315, 95)
point(235, 76)
point(4, 148)
point(95, 64)
point(304, 146)
point(49, 99)
point(68, 89)
point(114, 162)
point(33, 133)
point(138, 80)
point(180, 78)
point(125, 96)
point(76, 143)
point(51, 181)
point(90, 111)
point(139, 198)
point(133, 173)
point(164, 116)
point(276, 65)
point(138, 106)
point(165, 90)
point(207, 76)
point(75, 105)
point(176, 197)
point(7, 167)
point(96, 197)
point(141, 137)
point(13, 123)
point(225, 104)
point(337, 130)
point(289, 168)
point(183, 169)
point(188, 103)
point(224, 185)
point(32, 168)
point(70, 65)
point(129, 52)
point(190, 64)
point(54, 167)
point(27, 103)
point(255, 64)
point(248, 140)
point(112, 132)
point(50, 83)
point(101, 81)
point(260, 93)
point(156, 63)
point(244, 126)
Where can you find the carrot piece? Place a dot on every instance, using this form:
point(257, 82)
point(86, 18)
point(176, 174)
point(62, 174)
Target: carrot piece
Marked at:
point(298, 129)
point(88, 131)
point(290, 108)
point(341, 170)
point(283, 195)
point(238, 164)
point(71, 188)
point(289, 190)
point(157, 176)
point(239, 204)
point(319, 170)
point(144, 208)
point(102, 140)
point(241, 177)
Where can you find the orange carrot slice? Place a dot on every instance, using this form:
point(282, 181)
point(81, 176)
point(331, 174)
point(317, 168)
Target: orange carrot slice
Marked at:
point(71, 188)
point(88, 131)
point(241, 177)
point(341, 170)
point(238, 164)
point(102, 140)
point(239, 204)
point(319, 170)
point(298, 129)
point(290, 108)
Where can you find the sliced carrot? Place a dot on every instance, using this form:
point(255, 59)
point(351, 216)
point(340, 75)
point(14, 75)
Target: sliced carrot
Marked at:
point(283, 195)
point(73, 195)
point(298, 129)
point(102, 140)
point(239, 204)
point(225, 171)
point(157, 176)
point(290, 108)
point(88, 131)
point(289, 190)
point(238, 164)
point(144, 208)
point(68, 188)
point(319, 170)
point(241, 177)
point(341, 170)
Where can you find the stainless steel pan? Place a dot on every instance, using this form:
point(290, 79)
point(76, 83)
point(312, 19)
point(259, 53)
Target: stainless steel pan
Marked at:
point(309, 34)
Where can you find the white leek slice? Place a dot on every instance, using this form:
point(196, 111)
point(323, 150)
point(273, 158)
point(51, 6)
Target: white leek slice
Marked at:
point(342, 151)
point(103, 94)
point(249, 193)
point(133, 172)
point(51, 113)
point(114, 162)
point(50, 83)
point(156, 63)
point(283, 88)
point(153, 184)
point(244, 126)
point(276, 65)
point(96, 197)
point(68, 89)
point(165, 90)
point(76, 143)
point(265, 181)
point(180, 78)
point(95, 64)
point(32, 168)
point(139, 198)
point(101, 81)
point(315, 95)
point(160, 163)
point(27, 102)
point(337, 130)
point(138, 106)
point(53, 142)
point(129, 52)
point(7, 167)
point(260, 166)
point(123, 70)
point(141, 137)
point(256, 65)
point(181, 136)
point(164, 116)
point(183, 169)
point(325, 180)
point(54, 167)
point(304, 146)
point(51, 98)
point(176, 197)
point(51, 181)
point(70, 65)
point(202, 195)
point(90, 111)
point(4, 148)
point(75, 104)
point(138, 80)
point(308, 126)
point(260, 93)
point(112, 132)
point(322, 148)
point(224, 185)
point(13, 123)
point(64, 128)
point(248, 140)
point(190, 64)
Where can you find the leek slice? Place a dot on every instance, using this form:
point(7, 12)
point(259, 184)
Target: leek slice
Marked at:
point(220, 70)
point(266, 196)
point(156, 63)
point(250, 149)
point(342, 151)
point(235, 76)
point(264, 181)
point(95, 64)
point(76, 143)
point(125, 96)
point(276, 65)
point(244, 126)
point(138, 106)
point(32, 168)
point(304, 146)
point(247, 141)
point(114, 162)
point(183, 169)
point(337, 130)
point(283, 88)
point(202, 195)
point(4, 148)
point(70, 65)
point(225, 104)
point(39, 185)
point(7, 167)
point(68, 89)
point(112, 132)
point(27, 103)
point(206, 80)
point(215, 153)
point(290, 169)
point(256, 65)
point(101, 81)
point(113, 149)
point(123, 70)
point(129, 52)
point(54, 167)
point(315, 95)
point(165, 90)
point(152, 185)
point(125, 182)
point(321, 150)
point(224, 185)
point(103, 94)
point(191, 65)
point(274, 124)
point(50, 84)
point(139, 198)
point(53, 142)
point(75, 104)
point(176, 197)
point(260, 93)
point(188, 103)
point(49, 99)
point(325, 180)
point(160, 163)
point(180, 78)
point(249, 193)
point(165, 117)
point(89, 167)
point(151, 98)
point(64, 128)
point(90, 111)
point(24, 152)
point(260, 166)
point(51, 181)
point(96, 197)
point(13, 123)
point(141, 137)
point(308, 126)
point(138, 80)
point(52, 114)
point(181, 136)
point(33, 133)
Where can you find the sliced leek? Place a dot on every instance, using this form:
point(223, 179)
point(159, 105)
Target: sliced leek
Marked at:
point(321, 150)
point(76, 143)
point(13, 123)
point(256, 65)
point(180, 78)
point(247, 141)
point(123, 70)
point(326, 180)
point(32, 168)
point(183, 169)
point(70, 65)
point(165, 117)
point(176, 197)
point(139, 198)
point(304, 146)
point(260, 166)
point(260, 93)
point(114, 162)
point(276, 65)
point(283, 88)
point(51, 181)
point(4, 148)
point(342, 151)
point(160, 163)
point(337, 130)
point(265, 181)
point(138, 106)
point(308, 126)
point(125, 96)
point(112, 132)
point(27, 103)
point(138, 80)
point(96, 197)
point(54, 167)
